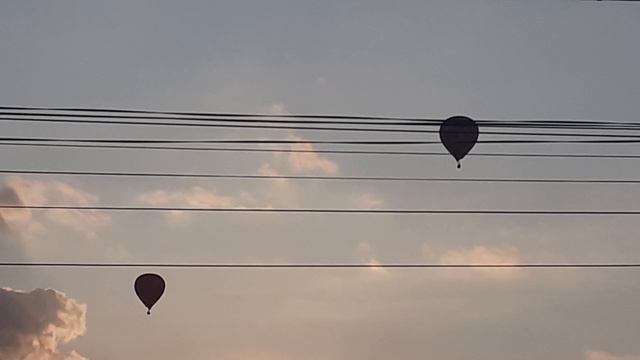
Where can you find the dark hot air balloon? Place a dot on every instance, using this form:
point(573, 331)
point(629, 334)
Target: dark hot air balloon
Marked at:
point(459, 134)
point(149, 288)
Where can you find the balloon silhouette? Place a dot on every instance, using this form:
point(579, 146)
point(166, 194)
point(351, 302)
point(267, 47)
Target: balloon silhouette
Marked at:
point(459, 134)
point(149, 288)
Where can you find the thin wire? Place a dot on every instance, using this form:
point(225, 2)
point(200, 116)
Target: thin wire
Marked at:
point(232, 126)
point(323, 178)
point(294, 116)
point(209, 114)
point(321, 211)
point(223, 141)
point(273, 120)
point(316, 142)
point(320, 266)
point(320, 151)
point(235, 119)
point(348, 129)
point(502, 124)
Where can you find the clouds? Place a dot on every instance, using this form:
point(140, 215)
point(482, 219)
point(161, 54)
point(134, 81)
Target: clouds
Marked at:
point(307, 162)
point(483, 255)
point(9, 196)
point(368, 201)
point(10, 246)
point(196, 196)
point(268, 194)
point(597, 355)
point(35, 324)
point(500, 60)
point(310, 162)
point(26, 191)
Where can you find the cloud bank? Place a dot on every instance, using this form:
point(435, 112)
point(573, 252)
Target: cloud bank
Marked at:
point(35, 323)
point(19, 190)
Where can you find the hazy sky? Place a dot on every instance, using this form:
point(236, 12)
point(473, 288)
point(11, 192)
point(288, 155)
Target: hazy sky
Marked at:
point(489, 59)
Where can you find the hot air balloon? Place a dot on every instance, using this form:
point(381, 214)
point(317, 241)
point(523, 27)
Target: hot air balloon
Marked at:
point(459, 134)
point(149, 288)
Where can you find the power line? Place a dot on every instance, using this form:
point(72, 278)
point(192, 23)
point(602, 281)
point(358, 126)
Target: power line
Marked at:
point(325, 128)
point(320, 211)
point(323, 178)
point(296, 116)
point(321, 266)
point(326, 119)
point(314, 142)
point(266, 119)
point(271, 120)
point(222, 141)
point(210, 114)
point(231, 126)
point(320, 151)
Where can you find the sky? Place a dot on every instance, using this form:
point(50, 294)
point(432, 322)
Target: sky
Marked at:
point(487, 59)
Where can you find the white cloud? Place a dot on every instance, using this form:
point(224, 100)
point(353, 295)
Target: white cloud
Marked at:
point(267, 169)
point(41, 192)
point(35, 323)
point(368, 201)
point(597, 355)
point(374, 263)
point(309, 161)
point(281, 192)
point(13, 217)
point(483, 255)
point(197, 197)
point(82, 221)
point(367, 256)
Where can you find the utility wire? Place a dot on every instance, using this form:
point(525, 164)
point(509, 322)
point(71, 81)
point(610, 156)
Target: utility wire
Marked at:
point(320, 266)
point(320, 151)
point(323, 178)
point(210, 114)
point(223, 141)
point(277, 119)
point(272, 120)
point(320, 211)
point(546, 124)
point(325, 128)
point(292, 116)
point(316, 142)
point(209, 125)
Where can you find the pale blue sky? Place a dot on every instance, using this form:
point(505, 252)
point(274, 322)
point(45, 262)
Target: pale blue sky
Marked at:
point(488, 59)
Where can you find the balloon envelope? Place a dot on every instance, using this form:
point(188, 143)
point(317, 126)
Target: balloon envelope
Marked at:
point(149, 288)
point(459, 134)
